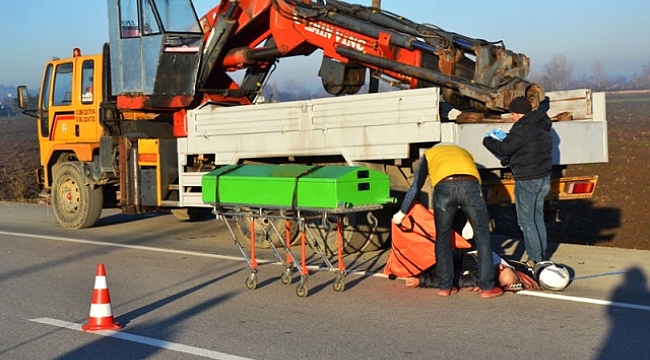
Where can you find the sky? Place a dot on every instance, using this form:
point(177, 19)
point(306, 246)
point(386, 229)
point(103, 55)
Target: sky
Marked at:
point(614, 33)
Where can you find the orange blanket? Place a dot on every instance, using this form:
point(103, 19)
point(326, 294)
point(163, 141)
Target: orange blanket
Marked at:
point(413, 243)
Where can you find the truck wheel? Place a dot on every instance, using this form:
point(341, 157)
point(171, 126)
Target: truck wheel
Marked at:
point(361, 238)
point(76, 205)
point(364, 239)
point(244, 231)
point(362, 232)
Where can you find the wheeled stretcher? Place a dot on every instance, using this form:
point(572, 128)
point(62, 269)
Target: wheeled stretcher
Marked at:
point(298, 195)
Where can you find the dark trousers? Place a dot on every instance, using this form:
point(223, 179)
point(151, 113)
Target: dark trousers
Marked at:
point(448, 197)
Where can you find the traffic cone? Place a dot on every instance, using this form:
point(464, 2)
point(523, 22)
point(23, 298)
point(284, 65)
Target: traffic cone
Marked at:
point(101, 315)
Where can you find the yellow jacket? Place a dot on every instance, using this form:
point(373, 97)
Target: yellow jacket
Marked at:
point(447, 160)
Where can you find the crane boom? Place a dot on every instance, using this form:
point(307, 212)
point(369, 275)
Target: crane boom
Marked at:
point(253, 34)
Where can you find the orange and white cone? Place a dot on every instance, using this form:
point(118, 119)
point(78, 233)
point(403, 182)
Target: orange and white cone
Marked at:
point(101, 315)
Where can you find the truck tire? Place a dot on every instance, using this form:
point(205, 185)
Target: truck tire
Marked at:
point(364, 239)
point(243, 231)
point(76, 205)
point(362, 232)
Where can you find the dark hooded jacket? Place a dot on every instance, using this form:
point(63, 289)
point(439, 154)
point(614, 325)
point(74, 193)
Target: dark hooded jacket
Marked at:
point(528, 147)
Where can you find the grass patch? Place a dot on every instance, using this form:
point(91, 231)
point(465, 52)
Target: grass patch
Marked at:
point(628, 100)
point(628, 97)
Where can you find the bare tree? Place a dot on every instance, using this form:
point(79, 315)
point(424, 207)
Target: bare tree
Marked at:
point(642, 81)
point(581, 81)
point(557, 74)
point(598, 73)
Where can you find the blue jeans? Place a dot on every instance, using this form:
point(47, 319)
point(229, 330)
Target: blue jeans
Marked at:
point(529, 201)
point(448, 197)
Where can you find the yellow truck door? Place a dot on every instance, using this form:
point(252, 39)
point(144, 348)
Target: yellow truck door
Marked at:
point(70, 101)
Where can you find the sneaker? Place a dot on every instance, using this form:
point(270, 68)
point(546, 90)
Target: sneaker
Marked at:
point(513, 287)
point(494, 292)
point(531, 263)
point(447, 292)
point(527, 281)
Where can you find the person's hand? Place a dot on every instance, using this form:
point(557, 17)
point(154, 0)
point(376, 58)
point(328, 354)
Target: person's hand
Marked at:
point(498, 134)
point(398, 217)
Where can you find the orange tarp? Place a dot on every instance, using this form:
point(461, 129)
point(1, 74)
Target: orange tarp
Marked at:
point(413, 243)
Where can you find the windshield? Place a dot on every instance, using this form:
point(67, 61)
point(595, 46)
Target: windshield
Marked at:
point(177, 16)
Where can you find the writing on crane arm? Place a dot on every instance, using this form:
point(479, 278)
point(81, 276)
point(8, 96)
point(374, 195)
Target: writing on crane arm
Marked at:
point(339, 36)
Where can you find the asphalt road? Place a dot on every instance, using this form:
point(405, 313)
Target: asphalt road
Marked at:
point(179, 291)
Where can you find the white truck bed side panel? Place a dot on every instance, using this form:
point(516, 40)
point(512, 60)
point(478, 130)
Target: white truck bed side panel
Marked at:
point(380, 126)
point(361, 127)
point(574, 142)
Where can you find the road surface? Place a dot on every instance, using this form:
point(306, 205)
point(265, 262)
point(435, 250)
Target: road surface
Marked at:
point(179, 291)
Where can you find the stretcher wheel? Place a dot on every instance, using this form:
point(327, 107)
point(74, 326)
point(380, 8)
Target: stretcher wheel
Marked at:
point(286, 277)
point(339, 284)
point(251, 282)
point(302, 290)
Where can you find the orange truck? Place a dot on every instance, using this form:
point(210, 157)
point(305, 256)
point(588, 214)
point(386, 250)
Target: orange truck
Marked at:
point(136, 126)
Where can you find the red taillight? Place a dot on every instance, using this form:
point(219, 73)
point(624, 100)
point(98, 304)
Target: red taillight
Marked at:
point(579, 187)
point(147, 158)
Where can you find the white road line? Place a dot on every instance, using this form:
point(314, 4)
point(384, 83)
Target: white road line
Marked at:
point(168, 345)
point(136, 247)
point(584, 300)
point(315, 268)
point(171, 251)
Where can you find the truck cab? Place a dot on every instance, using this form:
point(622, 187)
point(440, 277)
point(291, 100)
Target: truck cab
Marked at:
point(69, 109)
point(156, 49)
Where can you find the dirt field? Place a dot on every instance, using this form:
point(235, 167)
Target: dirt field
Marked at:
point(614, 217)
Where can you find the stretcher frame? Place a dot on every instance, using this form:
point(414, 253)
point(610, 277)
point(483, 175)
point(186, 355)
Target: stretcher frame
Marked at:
point(301, 215)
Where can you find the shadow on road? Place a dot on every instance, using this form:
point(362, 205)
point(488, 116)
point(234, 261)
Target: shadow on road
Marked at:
point(577, 222)
point(121, 218)
point(628, 337)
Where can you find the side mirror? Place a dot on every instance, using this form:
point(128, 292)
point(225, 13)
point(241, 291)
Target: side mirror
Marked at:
point(23, 97)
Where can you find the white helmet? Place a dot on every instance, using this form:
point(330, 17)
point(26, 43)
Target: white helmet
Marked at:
point(537, 269)
point(552, 276)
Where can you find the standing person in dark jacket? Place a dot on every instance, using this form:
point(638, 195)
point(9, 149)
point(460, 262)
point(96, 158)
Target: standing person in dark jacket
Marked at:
point(527, 149)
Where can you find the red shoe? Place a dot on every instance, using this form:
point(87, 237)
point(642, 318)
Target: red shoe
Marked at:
point(492, 293)
point(447, 292)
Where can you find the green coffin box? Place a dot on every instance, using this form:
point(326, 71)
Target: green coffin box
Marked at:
point(296, 186)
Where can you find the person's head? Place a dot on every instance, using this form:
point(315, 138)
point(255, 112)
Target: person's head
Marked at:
point(506, 276)
point(519, 107)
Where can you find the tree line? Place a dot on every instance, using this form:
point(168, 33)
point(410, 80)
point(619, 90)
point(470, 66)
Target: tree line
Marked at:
point(559, 74)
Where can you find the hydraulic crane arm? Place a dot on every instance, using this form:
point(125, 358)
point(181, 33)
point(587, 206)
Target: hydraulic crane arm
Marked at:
point(253, 34)
point(355, 37)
